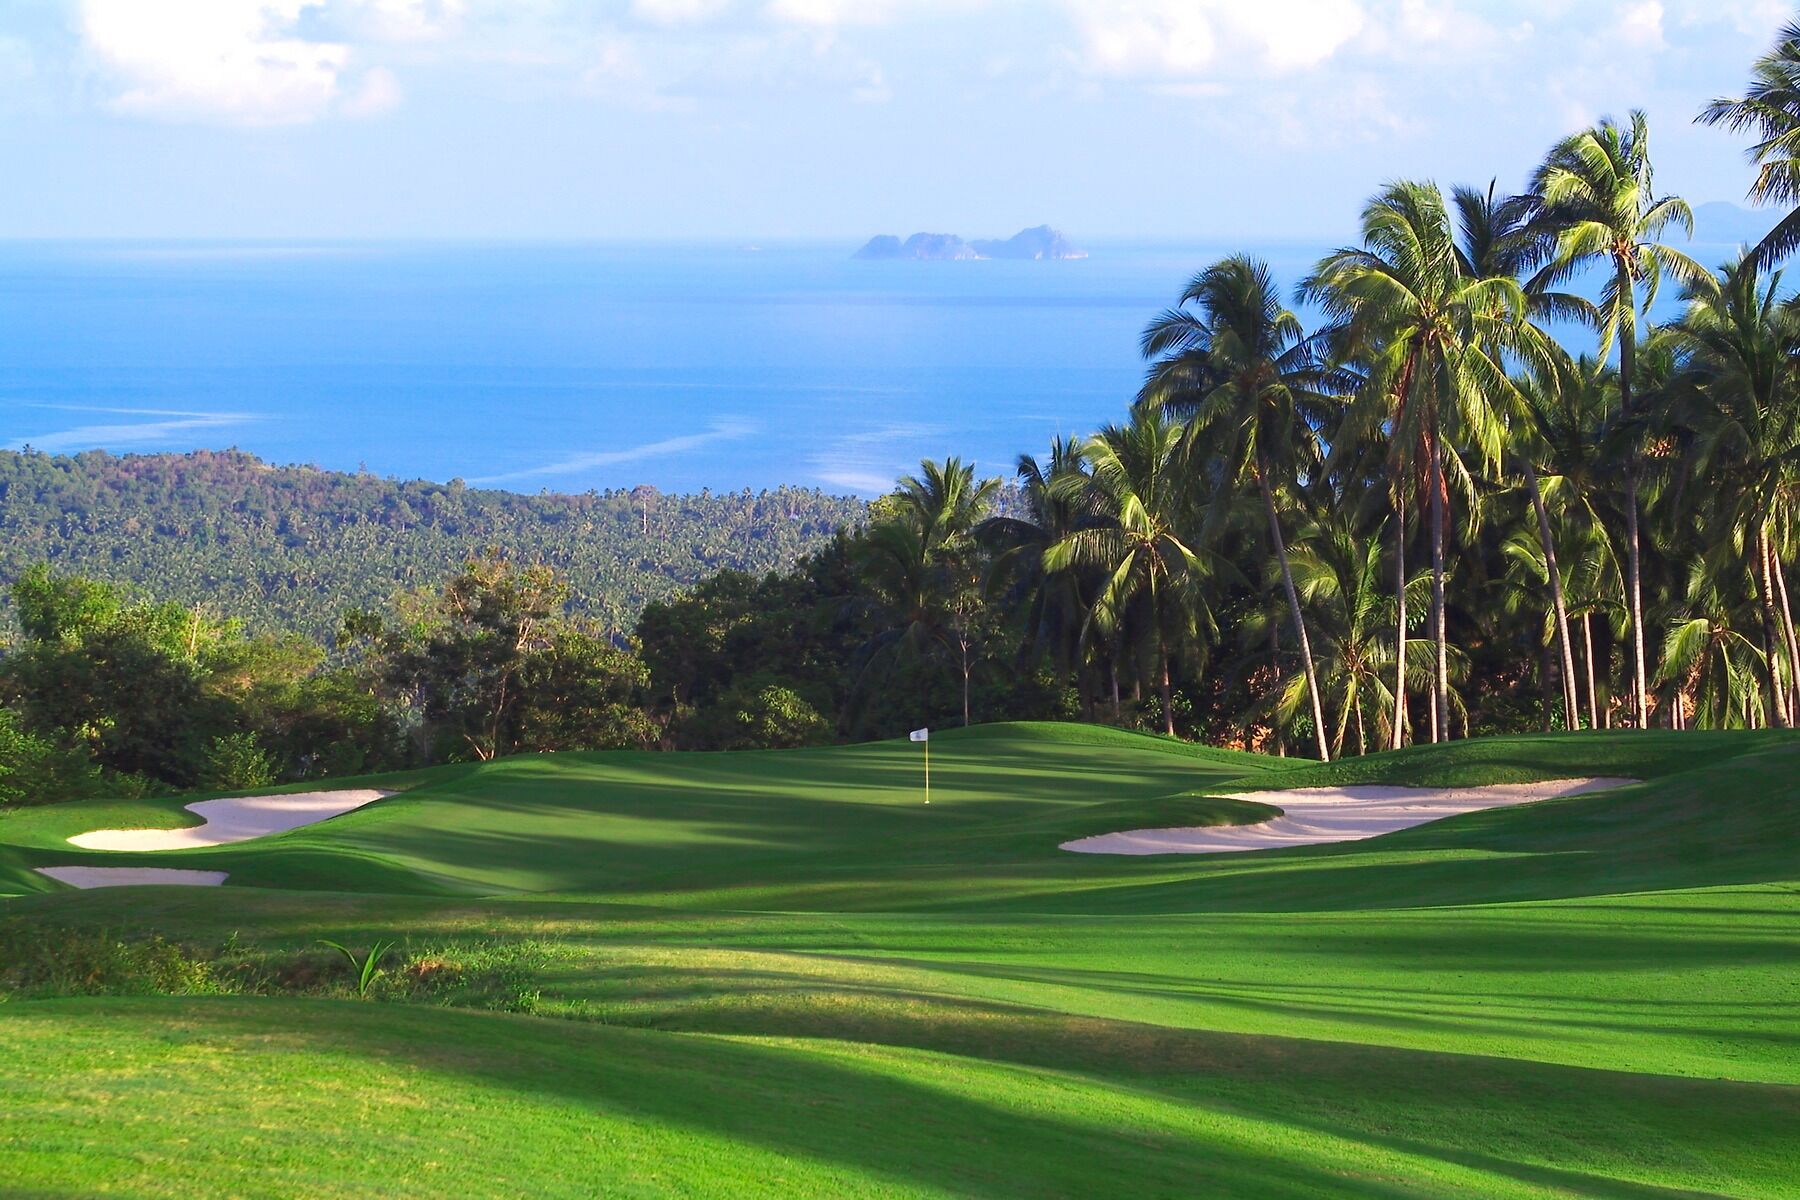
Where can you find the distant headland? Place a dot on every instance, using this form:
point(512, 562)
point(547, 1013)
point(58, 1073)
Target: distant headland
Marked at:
point(1039, 242)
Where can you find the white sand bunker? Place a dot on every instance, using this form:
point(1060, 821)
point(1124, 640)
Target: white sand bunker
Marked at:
point(99, 877)
point(1334, 814)
point(236, 819)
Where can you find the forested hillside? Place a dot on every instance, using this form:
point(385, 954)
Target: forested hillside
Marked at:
point(292, 548)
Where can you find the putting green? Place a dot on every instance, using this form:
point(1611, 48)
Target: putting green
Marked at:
point(780, 973)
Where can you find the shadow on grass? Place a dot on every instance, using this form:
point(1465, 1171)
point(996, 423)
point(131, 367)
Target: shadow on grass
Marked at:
point(1124, 1109)
point(1538, 1123)
point(916, 1123)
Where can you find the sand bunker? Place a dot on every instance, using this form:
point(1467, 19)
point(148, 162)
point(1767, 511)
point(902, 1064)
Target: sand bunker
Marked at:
point(99, 877)
point(1334, 814)
point(234, 820)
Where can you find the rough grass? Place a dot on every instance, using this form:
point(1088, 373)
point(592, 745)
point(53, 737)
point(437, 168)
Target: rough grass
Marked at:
point(780, 974)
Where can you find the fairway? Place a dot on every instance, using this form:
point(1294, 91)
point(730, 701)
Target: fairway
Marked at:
point(781, 973)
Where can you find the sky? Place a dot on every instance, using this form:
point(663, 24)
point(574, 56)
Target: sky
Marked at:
point(689, 119)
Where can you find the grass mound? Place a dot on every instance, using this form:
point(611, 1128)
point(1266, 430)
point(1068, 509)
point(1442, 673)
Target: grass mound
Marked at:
point(781, 973)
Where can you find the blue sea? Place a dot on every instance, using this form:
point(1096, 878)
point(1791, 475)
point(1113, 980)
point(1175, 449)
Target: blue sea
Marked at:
point(569, 367)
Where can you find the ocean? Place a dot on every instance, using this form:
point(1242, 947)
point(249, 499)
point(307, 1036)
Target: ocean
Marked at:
point(569, 367)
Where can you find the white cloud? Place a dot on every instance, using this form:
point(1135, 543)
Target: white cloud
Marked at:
point(678, 12)
point(1444, 25)
point(1756, 18)
point(1641, 25)
point(625, 72)
point(1145, 38)
point(253, 62)
point(379, 92)
point(213, 58)
point(655, 72)
point(831, 13)
point(1182, 38)
point(403, 20)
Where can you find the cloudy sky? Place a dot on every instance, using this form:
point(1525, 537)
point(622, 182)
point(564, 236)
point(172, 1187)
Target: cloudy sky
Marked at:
point(839, 118)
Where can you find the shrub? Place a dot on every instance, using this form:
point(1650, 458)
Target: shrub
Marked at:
point(40, 961)
point(37, 960)
point(33, 770)
point(128, 785)
point(237, 761)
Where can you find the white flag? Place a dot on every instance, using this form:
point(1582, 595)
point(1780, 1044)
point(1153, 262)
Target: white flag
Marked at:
point(920, 735)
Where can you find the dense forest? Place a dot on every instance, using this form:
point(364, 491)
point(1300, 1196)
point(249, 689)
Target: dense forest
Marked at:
point(289, 548)
point(1422, 518)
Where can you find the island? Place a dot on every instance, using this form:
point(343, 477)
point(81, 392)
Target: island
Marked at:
point(1039, 242)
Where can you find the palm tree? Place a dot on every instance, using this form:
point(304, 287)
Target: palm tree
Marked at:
point(920, 556)
point(1598, 206)
point(1739, 395)
point(1339, 574)
point(1704, 653)
point(1538, 426)
point(1570, 414)
point(1769, 110)
point(946, 504)
point(1139, 493)
point(1428, 336)
point(1494, 232)
point(1255, 389)
point(1056, 604)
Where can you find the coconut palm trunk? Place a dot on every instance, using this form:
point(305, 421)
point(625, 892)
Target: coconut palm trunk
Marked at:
point(1598, 195)
point(1398, 737)
point(1787, 622)
point(1168, 695)
point(1293, 598)
point(1571, 709)
point(1440, 725)
point(1634, 601)
point(1593, 691)
point(1772, 639)
point(1634, 585)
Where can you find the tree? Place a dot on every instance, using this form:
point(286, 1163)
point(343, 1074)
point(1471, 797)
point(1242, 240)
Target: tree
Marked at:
point(1707, 654)
point(235, 761)
point(1739, 393)
point(578, 691)
point(1136, 483)
point(1769, 110)
point(35, 770)
point(118, 683)
point(1429, 339)
point(492, 664)
point(1055, 604)
point(1598, 206)
point(922, 556)
point(710, 650)
point(63, 608)
point(759, 713)
point(1533, 433)
point(1339, 577)
point(1256, 392)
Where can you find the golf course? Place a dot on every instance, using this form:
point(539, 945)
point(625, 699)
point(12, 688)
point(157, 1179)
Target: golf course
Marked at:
point(783, 973)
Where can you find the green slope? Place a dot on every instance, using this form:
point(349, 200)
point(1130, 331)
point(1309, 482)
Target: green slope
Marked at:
point(781, 974)
point(845, 828)
point(342, 1099)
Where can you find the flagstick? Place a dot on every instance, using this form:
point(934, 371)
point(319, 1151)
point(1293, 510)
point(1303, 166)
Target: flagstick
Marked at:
point(928, 770)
